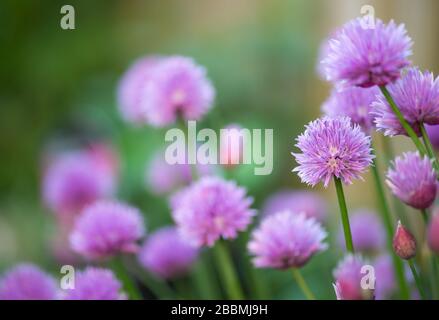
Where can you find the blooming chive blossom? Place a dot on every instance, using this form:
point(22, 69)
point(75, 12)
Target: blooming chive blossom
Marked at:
point(332, 147)
point(413, 180)
point(166, 254)
point(364, 57)
point(107, 228)
point(367, 231)
point(348, 279)
point(353, 102)
point(95, 284)
point(417, 96)
point(308, 202)
point(178, 87)
point(131, 87)
point(27, 282)
point(211, 208)
point(74, 180)
point(433, 232)
point(385, 277)
point(433, 135)
point(286, 240)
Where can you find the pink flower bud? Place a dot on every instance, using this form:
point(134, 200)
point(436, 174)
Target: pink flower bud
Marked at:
point(404, 243)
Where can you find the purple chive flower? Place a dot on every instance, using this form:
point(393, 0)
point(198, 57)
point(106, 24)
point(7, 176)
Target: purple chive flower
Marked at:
point(95, 284)
point(353, 102)
point(107, 228)
point(27, 282)
point(367, 232)
point(177, 87)
point(332, 147)
point(73, 180)
point(433, 134)
point(232, 146)
point(417, 96)
point(286, 240)
point(385, 277)
point(162, 177)
point(166, 254)
point(307, 202)
point(132, 86)
point(211, 208)
point(348, 279)
point(364, 57)
point(413, 180)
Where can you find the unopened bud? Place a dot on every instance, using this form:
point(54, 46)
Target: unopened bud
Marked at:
point(404, 244)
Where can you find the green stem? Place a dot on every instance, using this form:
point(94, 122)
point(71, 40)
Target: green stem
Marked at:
point(435, 272)
point(227, 271)
point(388, 223)
point(129, 286)
point(302, 284)
point(429, 147)
point(204, 281)
point(425, 216)
point(159, 288)
point(433, 263)
point(409, 130)
point(417, 279)
point(344, 215)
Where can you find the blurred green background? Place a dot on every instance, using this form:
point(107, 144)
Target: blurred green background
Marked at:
point(58, 86)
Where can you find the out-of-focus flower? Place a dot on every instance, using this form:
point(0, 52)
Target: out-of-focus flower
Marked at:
point(95, 284)
point(332, 147)
point(157, 90)
point(364, 57)
point(307, 202)
point(404, 243)
point(132, 86)
point(232, 146)
point(348, 279)
point(162, 177)
point(211, 208)
point(433, 232)
point(107, 228)
point(178, 87)
point(367, 232)
point(353, 102)
point(413, 180)
point(73, 180)
point(385, 277)
point(417, 96)
point(433, 134)
point(166, 254)
point(27, 282)
point(286, 240)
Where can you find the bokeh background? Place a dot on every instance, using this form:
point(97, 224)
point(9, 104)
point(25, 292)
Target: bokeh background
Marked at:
point(57, 87)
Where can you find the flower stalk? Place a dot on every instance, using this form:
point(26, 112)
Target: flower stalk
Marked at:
point(344, 215)
point(302, 284)
point(227, 272)
point(388, 223)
